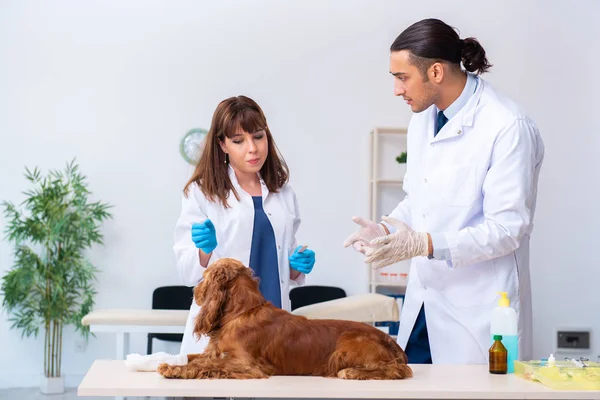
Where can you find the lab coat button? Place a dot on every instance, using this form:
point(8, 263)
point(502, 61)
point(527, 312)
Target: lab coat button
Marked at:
point(425, 180)
point(424, 215)
point(279, 247)
point(459, 132)
point(424, 287)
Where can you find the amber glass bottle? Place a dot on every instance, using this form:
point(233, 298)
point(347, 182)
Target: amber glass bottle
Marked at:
point(498, 356)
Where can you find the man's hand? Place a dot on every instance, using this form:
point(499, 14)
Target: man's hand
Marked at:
point(398, 246)
point(368, 231)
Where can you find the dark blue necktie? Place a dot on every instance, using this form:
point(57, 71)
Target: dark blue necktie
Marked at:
point(441, 121)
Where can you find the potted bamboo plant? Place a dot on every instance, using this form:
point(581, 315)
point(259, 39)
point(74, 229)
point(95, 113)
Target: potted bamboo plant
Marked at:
point(50, 284)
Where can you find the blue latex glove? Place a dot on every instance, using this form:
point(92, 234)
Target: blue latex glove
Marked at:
point(302, 262)
point(204, 236)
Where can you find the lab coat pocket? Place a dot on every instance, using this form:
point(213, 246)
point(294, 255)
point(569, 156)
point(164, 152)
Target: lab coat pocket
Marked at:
point(470, 286)
point(459, 185)
point(429, 272)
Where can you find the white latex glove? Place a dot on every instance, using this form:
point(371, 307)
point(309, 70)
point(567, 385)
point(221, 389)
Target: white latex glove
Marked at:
point(400, 245)
point(368, 231)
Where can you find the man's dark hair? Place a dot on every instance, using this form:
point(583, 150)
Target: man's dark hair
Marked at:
point(431, 40)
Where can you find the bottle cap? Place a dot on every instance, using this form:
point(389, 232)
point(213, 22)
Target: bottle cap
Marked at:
point(503, 301)
point(497, 337)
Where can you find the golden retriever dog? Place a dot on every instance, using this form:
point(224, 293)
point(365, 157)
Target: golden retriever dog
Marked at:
point(250, 338)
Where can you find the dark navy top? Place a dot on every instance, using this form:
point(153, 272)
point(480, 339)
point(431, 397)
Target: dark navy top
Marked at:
point(263, 255)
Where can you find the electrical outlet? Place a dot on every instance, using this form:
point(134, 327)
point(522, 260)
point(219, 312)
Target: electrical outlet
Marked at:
point(573, 340)
point(80, 346)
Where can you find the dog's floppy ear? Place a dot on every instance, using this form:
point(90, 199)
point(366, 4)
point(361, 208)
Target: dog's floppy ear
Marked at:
point(212, 292)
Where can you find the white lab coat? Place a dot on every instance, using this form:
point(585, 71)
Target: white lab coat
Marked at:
point(476, 184)
point(234, 227)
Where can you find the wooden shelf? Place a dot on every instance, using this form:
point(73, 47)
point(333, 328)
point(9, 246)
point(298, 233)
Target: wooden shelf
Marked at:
point(379, 186)
point(391, 284)
point(388, 181)
point(389, 131)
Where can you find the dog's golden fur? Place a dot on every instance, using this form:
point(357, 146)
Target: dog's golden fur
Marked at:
point(250, 338)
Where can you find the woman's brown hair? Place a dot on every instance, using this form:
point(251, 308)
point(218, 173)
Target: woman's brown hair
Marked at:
point(212, 172)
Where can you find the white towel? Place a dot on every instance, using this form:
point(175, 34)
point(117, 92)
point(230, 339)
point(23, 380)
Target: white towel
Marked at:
point(138, 362)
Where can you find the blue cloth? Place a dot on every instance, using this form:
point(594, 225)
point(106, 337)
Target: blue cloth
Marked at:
point(263, 255)
point(441, 250)
point(441, 121)
point(417, 349)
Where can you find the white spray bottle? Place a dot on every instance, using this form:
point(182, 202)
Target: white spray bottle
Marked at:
point(504, 322)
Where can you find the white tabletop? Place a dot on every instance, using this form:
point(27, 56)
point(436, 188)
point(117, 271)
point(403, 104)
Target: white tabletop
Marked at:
point(111, 378)
point(136, 317)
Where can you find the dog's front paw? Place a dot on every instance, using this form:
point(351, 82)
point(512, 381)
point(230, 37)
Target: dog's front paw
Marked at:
point(168, 371)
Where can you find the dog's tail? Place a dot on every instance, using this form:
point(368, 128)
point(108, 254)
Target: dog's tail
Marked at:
point(401, 360)
point(379, 370)
point(399, 368)
point(354, 365)
point(377, 356)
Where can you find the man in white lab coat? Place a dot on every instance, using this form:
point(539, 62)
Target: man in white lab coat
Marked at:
point(473, 163)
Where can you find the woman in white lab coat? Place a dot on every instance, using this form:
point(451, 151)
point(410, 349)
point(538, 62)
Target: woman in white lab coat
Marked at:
point(238, 204)
point(473, 164)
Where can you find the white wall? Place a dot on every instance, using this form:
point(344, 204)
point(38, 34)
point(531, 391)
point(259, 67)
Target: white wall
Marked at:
point(116, 84)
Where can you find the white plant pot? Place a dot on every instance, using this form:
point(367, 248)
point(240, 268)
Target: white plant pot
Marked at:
point(400, 170)
point(52, 385)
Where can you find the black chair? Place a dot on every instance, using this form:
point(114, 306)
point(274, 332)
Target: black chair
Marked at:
point(306, 295)
point(170, 298)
